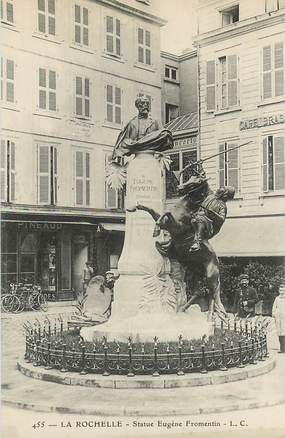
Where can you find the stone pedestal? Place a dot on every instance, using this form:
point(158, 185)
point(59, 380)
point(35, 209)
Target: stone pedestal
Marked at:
point(145, 299)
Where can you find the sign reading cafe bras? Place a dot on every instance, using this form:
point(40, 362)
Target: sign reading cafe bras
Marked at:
point(259, 122)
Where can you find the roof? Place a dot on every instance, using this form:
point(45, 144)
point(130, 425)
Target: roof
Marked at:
point(183, 123)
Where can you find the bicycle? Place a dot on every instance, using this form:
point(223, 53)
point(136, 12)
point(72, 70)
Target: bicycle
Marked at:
point(24, 296)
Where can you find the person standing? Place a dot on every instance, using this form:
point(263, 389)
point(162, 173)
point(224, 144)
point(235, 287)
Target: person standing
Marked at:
point(88, 273)
point(245, 298)
point(278, 313)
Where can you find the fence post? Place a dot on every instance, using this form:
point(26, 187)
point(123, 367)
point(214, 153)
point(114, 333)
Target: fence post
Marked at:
point(253, 361)
point(105, 346)
point(223, 366)
point(204, 365)
point(130, 372)
point(241, 364)
point(63, 359)
point(155, 370)
point(180, 371)
point(118, 358)
point(37, 355)
point(48, 365)
point(83, 370)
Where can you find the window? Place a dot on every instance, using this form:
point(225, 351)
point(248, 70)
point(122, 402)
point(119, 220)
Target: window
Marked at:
point(171, 73)
point(7, 171)
point(7, 91)
point(46, 17)
point(81, 22)
point(7, 11)
point(113, 198)
point(230, 15)
point(144, 46)
point(273, 163)
point(114, 102)
point(9, 261)
point(226, 83)
point(180, 159)
point(273, 70)
point(274, 5)
point(82, 178)
point(171, 112)
point(47, 89)
point(113, 36)
point(229, 165)
point(82, 97)
point(47, 174)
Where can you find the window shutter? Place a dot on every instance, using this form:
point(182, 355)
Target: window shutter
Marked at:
point(79, 177)
point(233, 167)
point(279, 163)
point(140, 45)
point(55, 178)
point(109, 97)
point(44, 174)
point(221, 165)
point(147, 49)
point(87, 97)
point(12, 171)
point(10, 80)
point(232, 80)
point(85, 20)
point(87, 178)
point(110, 34)
point(77, 24)
point(210, 85)
point(279, 68)
point(10, 12)
point(52, 90)
point(3, 164)
point(79, 97)
point(265, 164)
point(267, 72)
point(111, 194)
point(42, 90)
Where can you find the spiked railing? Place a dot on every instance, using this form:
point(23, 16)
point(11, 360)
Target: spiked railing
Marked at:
point(46, 346)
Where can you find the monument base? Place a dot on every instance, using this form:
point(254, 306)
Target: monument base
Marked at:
point(143, 327)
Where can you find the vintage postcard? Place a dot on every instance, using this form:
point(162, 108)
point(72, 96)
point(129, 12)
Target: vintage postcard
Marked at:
point(142, 218)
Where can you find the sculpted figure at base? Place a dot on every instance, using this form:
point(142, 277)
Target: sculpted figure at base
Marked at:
point(197, 216)
point(142, 133)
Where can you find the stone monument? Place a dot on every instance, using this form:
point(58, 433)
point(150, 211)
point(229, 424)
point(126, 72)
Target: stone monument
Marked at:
point(145, 296)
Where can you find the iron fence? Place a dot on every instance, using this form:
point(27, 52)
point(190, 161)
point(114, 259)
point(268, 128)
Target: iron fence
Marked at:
point(46, 347)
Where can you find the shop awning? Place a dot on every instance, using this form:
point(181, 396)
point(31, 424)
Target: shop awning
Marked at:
point(251, 237)
point(112, 227)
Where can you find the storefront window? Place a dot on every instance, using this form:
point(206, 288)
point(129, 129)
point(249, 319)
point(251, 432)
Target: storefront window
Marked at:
point(28, 253)
point(8, 255)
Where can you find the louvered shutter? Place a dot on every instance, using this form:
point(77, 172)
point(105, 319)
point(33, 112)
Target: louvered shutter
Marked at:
point(55, 177)
point(210, 85)
point(271, 5)
point(77, 24)
point(87, 178)
point(109, 98)
point(147, 48)
point(140, 45)
point(10, 80)
point(79, 96)
point(279, 163)
point(12, 171)
point(117, 105)
point(265, 164)
point(87, 97)
point(110, 34)
point(267, 72)
point(44, 174)
point(3, 164)
point(232, 80)
point(41, 16)
point(79, 177)
point(51, 17)
point(233, 167)
point(42, 88)
point(10, 12)
point(221, 165)
point(279, 68)
point(85, 20)
point(52, 90)
point(118, 37)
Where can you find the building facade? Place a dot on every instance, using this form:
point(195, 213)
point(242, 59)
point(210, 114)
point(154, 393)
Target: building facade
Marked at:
point(70, 73)
point(179, 111)
point(241, 49)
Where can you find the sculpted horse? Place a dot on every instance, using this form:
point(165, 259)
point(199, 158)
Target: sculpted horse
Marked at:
point(197, 216)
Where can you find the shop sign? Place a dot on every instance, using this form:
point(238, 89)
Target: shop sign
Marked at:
point(39, 226)
point(259, 122)
point(189, 141)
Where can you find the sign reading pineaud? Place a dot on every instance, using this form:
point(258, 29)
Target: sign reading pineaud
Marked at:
point(260, 122)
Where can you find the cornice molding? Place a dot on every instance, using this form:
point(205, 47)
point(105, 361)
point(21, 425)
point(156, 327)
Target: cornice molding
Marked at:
point(133, 11)
point(238, 29)
point(179, 58)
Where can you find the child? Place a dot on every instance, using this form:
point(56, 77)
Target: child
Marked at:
point(278, 313)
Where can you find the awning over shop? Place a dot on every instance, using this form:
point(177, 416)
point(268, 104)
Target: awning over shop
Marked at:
point(112, 227)
point(251, 237)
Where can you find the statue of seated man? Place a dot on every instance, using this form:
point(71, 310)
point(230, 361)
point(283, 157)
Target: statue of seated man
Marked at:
point(142, 133)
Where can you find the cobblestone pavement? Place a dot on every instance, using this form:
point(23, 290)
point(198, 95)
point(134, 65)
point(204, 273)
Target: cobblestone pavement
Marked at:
point(45, 397)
